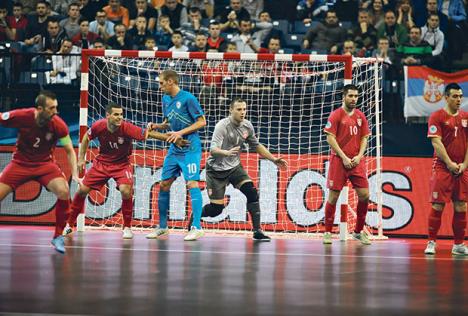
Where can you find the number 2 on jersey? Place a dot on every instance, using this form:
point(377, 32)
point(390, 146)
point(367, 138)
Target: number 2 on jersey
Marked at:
point(36, 144)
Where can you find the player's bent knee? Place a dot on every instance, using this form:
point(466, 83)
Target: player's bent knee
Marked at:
point(250, 192)
point(212, 209)
point(333, 196)
point(459, 206)
point(438, 206)
point(165, 185)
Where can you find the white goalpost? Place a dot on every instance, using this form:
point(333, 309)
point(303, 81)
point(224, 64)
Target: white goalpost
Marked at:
point(289, 99)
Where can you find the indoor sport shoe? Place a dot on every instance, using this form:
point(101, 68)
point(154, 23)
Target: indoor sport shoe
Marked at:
point(362, 237)
point(127, 233)
point(158, 232)
point(59, 244)
point(431, 248)
point(194, 234)
point(67, 231)
point(460, 250)
point(260, 236)
point(327, 238)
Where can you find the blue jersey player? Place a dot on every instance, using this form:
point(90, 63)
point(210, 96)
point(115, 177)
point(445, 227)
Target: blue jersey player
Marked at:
point(184, 116)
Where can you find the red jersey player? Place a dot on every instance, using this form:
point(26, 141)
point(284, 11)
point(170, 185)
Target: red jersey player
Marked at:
point(115, 147)
point(39, 129)
point(449, 180)
point(347, 132)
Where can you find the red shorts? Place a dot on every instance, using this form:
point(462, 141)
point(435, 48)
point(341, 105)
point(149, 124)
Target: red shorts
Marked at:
point(446, 187)
point(338, 175)
point(100, 173)
point(15, 174)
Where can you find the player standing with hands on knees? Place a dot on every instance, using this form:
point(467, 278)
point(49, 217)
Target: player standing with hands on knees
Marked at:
point(39, 129)
point(347, 132)
point(224, 165)
point(449, 180)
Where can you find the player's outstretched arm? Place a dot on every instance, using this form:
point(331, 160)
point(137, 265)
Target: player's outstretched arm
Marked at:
point(265, 153)
point(218, 152)
point(200, 123)
point(71, 155)
point(331, 140)
point(163, 126)
point(160, 136)
point(441, 152)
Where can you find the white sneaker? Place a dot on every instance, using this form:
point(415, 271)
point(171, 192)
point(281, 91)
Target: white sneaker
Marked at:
point(158, 232)
point(362, 237)
point(194, 234)
point(431, 248)
point(460, 250)
point(327, 238)
point(67, 231)
point(127, 233)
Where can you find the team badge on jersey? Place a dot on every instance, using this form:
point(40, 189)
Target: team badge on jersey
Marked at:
point(120, 140)
point(435, 195)
point(48, 136)
point(432, 129)
point(328, 124)
point(359, 122)
point(464, 123)
point(5, 116)
point(178, 104)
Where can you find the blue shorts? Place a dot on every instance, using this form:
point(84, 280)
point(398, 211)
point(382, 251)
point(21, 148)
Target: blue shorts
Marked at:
point(188, 164)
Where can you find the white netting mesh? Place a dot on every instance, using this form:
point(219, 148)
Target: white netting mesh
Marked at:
point(288, 104)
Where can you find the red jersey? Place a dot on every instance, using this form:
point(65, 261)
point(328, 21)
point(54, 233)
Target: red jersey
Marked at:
point(116, 147)
point(452, 131)
point(348, 130)
point(35, 144)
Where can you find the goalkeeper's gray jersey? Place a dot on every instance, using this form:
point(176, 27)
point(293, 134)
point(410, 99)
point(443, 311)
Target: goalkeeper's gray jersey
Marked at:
point(228, 135)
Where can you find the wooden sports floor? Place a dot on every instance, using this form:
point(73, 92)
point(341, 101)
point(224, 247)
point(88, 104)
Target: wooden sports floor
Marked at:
point(101, 274)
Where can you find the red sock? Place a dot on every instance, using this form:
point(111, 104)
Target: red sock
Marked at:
point(435, 218)
point(127, 212)
point(459, 225)
point(361, 215)
point(76, 208)
point(61, 212)
point(329, 216)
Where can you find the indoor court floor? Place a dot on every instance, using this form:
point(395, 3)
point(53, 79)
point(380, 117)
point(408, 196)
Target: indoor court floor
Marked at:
point(101, 274)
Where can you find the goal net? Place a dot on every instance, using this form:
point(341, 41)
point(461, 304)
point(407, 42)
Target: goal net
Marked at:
point(289, 99)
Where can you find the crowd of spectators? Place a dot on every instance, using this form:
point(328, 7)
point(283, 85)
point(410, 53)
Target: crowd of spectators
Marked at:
point(402, 32)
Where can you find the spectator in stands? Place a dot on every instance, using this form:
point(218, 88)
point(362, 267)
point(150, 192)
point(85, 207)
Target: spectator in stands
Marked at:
point(139, 33)
point(415, 51)
point(396, 33)
point(36, 29)
point(66, 65)
point(327, 35)
point(274, 46)
point(164, 31)
point(84, 39)
point(29, 6)
point(420, 18)
point(117, 13)
point(384, 51)
point(254, 7)
point(377, 13)
point(120, 40)
point(54, 38)
point(71, 24)
point(405, 14)
point(150, 44)
point(432, 34)
point(7, 33)
point(264, 21)
point(457, 30)
point(311, 10)
point(18, 22)
point(231, 16)
point(99, 44)
point(364, 35)
point(142, 8)
point(193, 26)
point(51, 13)
point(200, 43)
point(88, 8)
point(62, 7)
point(101, 26)
point(246, 41)
point(231, 47)
point(177, 43)
point(215, 41)
point(176, 12)
point(206, 6)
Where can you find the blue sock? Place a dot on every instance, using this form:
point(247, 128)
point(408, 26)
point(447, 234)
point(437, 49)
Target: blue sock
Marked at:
point(163, 206)
point(197, 204)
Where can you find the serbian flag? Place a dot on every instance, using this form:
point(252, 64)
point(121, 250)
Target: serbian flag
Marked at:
point(424, 89)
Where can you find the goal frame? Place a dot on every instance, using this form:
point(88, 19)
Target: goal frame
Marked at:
point(347, 60)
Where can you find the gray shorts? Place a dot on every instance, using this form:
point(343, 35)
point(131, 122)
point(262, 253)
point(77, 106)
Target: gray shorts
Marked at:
point(217, 181)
